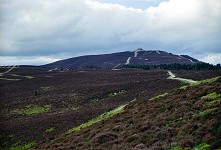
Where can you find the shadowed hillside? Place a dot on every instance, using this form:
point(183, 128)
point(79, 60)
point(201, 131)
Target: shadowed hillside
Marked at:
point(122, 58)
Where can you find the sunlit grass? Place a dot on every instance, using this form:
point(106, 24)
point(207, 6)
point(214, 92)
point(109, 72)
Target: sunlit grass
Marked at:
point(32, 109)
point(49, 130)
point(200, 82)
point(212, 98)
point(208, 111)
point(18, 146)
point(9, 79)
point(103, 116)
point(16, 75)
point(206, 81)
point(159, 96)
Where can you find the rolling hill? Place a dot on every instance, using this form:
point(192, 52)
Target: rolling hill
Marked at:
point(38, 105)
point(114, 60)
point(185, 118)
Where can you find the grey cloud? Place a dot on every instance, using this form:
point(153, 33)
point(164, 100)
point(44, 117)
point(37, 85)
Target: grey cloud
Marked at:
point(75, 27)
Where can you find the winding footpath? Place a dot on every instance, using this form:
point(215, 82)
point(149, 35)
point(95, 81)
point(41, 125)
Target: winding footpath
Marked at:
point(173, 76)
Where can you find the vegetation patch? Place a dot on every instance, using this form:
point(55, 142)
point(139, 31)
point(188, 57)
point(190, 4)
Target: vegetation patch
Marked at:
point(29, 77)
point(49, 130)
point(159, 96)
point(212, 98)
point(159, 119)
point(208, 111)
point(23, 146)
point(183, 87)
point(202, 146)
point(103, 116)
point(206, 81)
point(176, 148)
point(94, 100)
point(32, 109)
point(9, 79)
point(196, 83)
point(175, 66)
point(16, 75)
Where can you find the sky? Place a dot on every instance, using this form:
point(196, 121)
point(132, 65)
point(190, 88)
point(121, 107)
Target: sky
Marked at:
point(44, 31)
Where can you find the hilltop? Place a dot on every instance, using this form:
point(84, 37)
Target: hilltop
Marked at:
point(115, 60)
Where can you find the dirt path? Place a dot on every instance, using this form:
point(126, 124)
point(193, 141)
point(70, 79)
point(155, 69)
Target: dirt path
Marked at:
point(129, 58)
point(10, 69)
point(128, 61)
point(173, 76)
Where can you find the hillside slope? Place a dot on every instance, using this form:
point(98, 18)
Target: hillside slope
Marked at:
point(188, 117)
point(37, 104)
point(115, 59)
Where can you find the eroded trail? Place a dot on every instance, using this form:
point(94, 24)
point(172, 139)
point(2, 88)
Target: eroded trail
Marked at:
point(128, 61)
point(173, 76)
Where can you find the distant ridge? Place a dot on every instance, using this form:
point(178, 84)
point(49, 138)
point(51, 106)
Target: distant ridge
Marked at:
point(114, 60)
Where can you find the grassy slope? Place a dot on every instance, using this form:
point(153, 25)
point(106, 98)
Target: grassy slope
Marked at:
point(185, 118)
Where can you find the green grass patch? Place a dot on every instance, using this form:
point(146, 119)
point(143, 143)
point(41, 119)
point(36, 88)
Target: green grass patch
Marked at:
point(176, 148)
point(159, 96)
point(208, 111)
point(9, 79)
point(202, 146)
point(24, 146)
point(212, 98)
point(49, 130)
point(16, 75)
point(103, 116)
point(206, 81)
point(200, 82)
point(29, 77)
point(32, 109)
point(94, 100)
point(183, 87)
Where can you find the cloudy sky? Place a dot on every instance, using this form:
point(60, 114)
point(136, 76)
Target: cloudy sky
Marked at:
point(42, 31)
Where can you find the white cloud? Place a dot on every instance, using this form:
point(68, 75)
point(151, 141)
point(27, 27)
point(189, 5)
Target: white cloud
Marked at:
point(213, 58)
point(73, 27)
point(24, 60)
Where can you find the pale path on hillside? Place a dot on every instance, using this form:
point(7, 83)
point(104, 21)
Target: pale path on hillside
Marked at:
point(173, 76)
point(158, 52)
point(187, 59)
point(128, 60)
point(136, 52)
point(10, 69)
